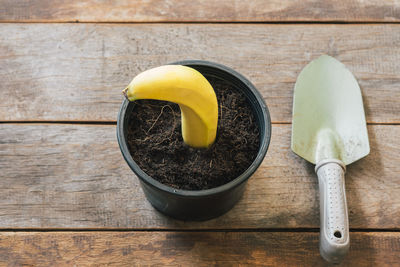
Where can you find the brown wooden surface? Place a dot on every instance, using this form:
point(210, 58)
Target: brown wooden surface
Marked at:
point(199, 10)
point(75, 72)
point(189, 249)
point(68, 176)
point(65, 172)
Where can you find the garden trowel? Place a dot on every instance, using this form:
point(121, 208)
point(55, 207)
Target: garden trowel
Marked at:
point(329, 130)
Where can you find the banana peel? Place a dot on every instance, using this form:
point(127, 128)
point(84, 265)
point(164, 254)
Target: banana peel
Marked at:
point(189, 89)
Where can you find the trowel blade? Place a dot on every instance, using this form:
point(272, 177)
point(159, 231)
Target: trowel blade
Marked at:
point(328, 114)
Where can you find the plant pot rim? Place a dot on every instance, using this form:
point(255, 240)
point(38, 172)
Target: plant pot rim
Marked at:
point(264, 143)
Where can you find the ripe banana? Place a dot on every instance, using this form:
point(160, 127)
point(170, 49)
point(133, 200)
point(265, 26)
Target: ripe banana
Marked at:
point(186, 87)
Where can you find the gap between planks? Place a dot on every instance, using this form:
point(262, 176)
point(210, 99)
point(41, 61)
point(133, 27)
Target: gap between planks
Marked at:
point(239, 230)
point(115, 123)
point(201, 22)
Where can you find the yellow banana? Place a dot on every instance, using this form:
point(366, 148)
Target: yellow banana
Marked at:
point(186, 87)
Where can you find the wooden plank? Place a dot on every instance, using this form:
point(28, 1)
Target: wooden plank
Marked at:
point(189, 249)
point(198, 11)
point(75, 72)
point(74, 176)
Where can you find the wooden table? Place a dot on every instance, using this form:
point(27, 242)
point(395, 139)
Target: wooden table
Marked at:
point(68, 198)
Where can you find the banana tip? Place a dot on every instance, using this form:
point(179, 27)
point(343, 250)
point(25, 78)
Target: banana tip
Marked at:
point(125, 91)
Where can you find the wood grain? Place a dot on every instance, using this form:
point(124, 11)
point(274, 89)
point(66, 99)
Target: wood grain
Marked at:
point(74, 176)
point(75, 72)
point(198, 11)
point(189, 249)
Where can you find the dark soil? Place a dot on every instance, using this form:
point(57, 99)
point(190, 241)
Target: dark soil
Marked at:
point(156, 145)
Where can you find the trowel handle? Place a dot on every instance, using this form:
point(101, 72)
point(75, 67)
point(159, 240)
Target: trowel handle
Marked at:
point(334, 233)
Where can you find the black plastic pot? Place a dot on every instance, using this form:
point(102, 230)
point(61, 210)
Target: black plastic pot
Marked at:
point(210, 203)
